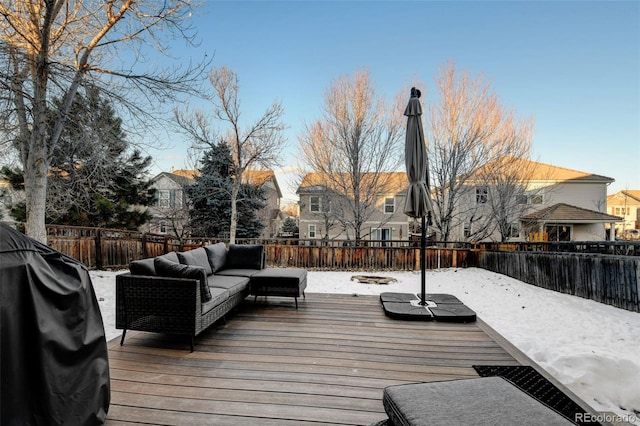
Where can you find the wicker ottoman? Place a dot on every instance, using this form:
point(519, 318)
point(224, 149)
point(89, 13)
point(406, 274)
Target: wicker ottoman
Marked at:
point(487, 400)
point(285, 282)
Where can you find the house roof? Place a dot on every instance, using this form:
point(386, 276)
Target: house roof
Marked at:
point(319, 181)
point(632, 195)
point(256, 177)
point(179, 179)
point(545, 172)
point(566, 213)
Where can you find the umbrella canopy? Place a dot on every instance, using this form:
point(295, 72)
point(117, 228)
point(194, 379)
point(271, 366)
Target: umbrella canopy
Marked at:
point(418, 202)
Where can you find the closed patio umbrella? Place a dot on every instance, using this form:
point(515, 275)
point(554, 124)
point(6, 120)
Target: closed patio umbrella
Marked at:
point(418, 201)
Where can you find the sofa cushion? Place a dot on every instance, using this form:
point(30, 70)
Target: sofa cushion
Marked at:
point(142, 267)
point(234, 284)
point(245, 256)
point(166, 268)
point(172, 256)
point(217, 254)
point(196, 257)
point(218, 295)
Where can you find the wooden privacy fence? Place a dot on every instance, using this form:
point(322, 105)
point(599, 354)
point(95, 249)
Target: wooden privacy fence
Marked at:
point(613, 280)
point(112, 249)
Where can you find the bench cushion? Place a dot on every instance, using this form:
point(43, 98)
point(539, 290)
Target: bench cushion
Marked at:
point(217, 254)
point(196, 257)
point(234, 284)
point(218, 295)
point(490, 400)
point(245, 256)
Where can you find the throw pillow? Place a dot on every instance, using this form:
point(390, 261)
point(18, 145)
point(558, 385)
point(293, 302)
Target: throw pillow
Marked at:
point(217, 254)
point(245, 256)
point(172, 256)
point(197, 257)
point(166, 268)
point(142, 267)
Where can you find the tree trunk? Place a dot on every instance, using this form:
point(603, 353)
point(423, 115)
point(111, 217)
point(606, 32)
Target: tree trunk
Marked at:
point(36, 195)
point(234, 212)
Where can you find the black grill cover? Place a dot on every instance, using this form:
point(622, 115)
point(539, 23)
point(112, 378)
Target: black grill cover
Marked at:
point(54, 368)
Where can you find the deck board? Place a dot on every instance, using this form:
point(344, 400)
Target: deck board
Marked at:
point(270, 364)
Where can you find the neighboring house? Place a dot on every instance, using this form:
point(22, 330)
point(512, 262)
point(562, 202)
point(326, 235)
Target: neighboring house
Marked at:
point(555, 204)
point(270, 215)
point(322, 215)
point(170, 211)
point(625, 204)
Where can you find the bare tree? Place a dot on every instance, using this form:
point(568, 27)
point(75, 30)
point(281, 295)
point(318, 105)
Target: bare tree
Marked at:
point(468, 128)
point(49, 48)
point(256, 145)
point(357, 139)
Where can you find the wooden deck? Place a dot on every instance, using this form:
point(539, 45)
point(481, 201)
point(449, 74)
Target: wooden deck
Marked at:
point(326, 363)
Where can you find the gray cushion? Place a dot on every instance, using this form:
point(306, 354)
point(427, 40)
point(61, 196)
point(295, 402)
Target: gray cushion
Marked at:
point(245, 256)
point(142, 267)
point(491, 400)
point(196, 257)
point(166, 268)
point(218, 295)
point(233, 284)
point(172, 256)
point(217, 254)
point(238, 272)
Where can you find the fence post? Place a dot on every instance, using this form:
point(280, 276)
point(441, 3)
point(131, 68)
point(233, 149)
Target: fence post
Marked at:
point(99, 263)
point(144, 245)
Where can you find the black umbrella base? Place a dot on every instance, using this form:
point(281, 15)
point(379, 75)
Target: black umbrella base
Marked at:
point(438, 307)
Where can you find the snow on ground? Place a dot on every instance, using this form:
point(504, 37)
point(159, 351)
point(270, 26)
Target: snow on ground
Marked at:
point(592, 348)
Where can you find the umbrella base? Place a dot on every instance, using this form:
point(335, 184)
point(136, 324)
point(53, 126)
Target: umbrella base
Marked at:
point(439, 307)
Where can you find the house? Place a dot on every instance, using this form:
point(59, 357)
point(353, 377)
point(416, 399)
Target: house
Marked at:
point(554, 204)
point(324, 213)
point(170, 211)
point(626, 204)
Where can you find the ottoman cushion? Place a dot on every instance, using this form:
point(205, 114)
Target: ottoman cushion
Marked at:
point(485, 400)
point(279, 282)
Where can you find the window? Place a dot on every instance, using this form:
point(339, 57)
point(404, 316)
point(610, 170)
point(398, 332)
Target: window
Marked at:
point(482, 194)
point(163, 227)
point(558, 232)
point(466, 230)
point(529, 199)
point(536, 199)
point(389, 205)
point(166, 198)
point(312, 231)
point(314, 204)
point(381, 234)
point(514, 230)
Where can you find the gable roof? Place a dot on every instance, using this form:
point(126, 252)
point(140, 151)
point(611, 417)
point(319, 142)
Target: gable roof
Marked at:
point(566, 213)
point(318, 181)
point(544, 172)
point(255, 177)
point(179, 179)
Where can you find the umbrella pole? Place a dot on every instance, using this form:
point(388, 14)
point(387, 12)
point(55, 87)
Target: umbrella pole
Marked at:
point(423, 256)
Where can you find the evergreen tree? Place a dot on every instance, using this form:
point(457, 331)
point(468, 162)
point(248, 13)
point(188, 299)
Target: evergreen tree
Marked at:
point(95, 178)
point(210, 195)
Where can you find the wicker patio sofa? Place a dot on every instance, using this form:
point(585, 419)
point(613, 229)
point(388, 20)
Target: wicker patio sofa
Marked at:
point(183, 293)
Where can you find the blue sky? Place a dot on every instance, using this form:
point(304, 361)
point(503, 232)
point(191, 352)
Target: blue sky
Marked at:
point(574, 66)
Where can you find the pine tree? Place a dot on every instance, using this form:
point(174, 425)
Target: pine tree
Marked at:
point(210, 215)
point(95, 178)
